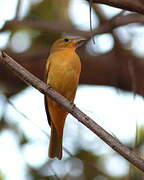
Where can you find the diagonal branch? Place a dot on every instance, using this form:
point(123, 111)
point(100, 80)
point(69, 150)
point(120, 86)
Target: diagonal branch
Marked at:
point(29, 78)
point(129, 5)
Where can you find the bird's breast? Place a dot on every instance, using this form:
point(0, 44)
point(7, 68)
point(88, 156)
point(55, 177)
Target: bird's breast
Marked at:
point(64, 71)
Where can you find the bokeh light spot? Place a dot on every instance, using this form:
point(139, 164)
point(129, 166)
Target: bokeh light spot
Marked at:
point(20, 41)
point(109, 11)
point(79, 15)
point(103, 44)
point(4, 39)
point(116, 166)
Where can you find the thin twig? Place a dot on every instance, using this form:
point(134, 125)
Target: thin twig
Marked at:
point(18, 9)
point(104, 19)
point(26, 117)
point(55, 174)
point(44, 132)
point(90, 14)
point(30, 79)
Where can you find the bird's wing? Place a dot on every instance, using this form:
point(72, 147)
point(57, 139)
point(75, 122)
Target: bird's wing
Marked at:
point(45, 96)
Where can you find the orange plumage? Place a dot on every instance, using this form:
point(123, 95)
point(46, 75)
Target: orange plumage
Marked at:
point(62, 73)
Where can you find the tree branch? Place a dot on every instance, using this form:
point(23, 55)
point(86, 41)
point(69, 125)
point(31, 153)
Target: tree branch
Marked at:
point(45, 26)
point(129, 5)
point(30, 79)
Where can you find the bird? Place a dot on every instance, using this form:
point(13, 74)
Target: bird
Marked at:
point(62, 72)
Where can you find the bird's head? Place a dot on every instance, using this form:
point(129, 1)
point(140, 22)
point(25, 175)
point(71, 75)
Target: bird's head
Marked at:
point(66, 42)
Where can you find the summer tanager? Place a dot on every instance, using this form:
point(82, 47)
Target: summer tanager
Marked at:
point(62, 72)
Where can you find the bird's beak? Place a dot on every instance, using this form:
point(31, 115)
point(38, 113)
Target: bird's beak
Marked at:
point(79, 40)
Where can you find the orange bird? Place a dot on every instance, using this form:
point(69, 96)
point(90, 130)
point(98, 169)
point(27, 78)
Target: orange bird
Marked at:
point(62, 72)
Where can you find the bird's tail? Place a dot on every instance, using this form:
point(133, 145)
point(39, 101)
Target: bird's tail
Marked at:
point(55, 147)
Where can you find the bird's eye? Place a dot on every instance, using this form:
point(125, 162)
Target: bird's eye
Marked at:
point(66, 40)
